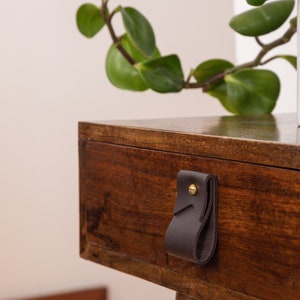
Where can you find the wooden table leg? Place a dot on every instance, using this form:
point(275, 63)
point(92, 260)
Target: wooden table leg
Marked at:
point(183, 297)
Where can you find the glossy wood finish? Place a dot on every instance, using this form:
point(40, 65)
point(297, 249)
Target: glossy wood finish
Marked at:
point(127, 194)
point(269, 140)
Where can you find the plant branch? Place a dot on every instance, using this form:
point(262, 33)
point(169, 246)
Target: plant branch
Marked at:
point(265, 48)
point(259, 42)
point(117, 41)
point(270, 59)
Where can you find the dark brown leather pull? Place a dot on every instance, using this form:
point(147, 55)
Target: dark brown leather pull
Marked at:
point(192, 233)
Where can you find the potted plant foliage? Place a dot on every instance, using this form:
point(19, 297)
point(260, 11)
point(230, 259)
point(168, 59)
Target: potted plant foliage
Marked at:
point(134, 61)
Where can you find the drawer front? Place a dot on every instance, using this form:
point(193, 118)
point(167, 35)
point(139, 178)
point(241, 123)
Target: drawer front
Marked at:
point(127, 197)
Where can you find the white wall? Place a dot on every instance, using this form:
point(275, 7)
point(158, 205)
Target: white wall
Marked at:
point(50, 78)
point(247, 48)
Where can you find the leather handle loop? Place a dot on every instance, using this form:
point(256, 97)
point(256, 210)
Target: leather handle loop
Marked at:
point(192, 233)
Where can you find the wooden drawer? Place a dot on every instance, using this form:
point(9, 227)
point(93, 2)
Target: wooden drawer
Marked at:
point(128, 174)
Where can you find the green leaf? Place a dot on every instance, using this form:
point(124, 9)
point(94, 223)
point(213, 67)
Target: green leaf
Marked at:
point(291, 59)
point(89, 20)
point(210, 68)
point(163, 75)
point(219, 91)
point(256, 2)
point(248, 92)
point(139, 30)
point(252, 92)
point(120, 72)
point(264, 19)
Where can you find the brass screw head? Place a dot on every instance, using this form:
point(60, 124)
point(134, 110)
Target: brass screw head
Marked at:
point(193, 189)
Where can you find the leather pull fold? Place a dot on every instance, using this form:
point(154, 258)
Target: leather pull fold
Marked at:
point(192, 233)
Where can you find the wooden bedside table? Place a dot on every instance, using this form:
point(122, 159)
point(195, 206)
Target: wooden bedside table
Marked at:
point(128, 172)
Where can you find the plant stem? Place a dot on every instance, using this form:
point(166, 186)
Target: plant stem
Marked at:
point(265, 48)
point(117, 41)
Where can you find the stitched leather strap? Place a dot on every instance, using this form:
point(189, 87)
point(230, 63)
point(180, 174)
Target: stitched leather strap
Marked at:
point(192, 233)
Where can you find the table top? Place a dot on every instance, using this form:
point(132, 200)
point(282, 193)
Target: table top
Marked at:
point(268, 139)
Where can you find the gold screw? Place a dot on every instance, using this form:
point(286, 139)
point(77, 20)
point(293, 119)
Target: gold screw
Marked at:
point(193, 189)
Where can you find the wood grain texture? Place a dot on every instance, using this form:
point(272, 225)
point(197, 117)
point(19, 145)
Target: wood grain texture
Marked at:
point(163, 276)
point(183, 297)
point(268, 140)
point(91, 294)
point(128, 172)
point(129, 194)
